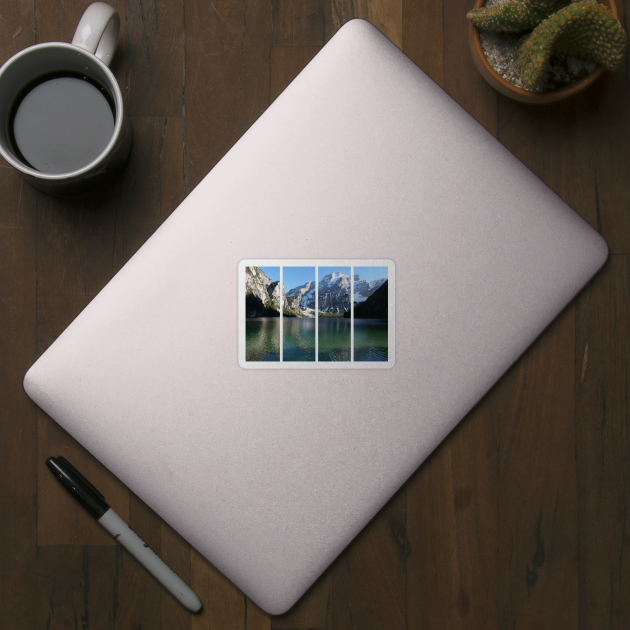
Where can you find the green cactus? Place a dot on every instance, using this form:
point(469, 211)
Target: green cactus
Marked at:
point(584, 29)
point(513, 16)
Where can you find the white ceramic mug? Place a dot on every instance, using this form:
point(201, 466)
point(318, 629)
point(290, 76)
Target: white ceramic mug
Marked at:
point(89, 56)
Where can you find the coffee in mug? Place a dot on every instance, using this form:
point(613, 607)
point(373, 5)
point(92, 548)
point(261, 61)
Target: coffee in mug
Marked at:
point(65, 128)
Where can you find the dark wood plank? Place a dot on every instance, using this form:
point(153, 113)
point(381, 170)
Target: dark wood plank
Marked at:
point(226, 78)
point(300, 23)
point(152, 185)
point(608, 136)
point(386, 15)
point(537, 537)
point(18, 423)
point(452, 527)
point(17, 28)
point(76, 587)
point(255, 618)
point(285, 64)
point(576, 148)
point(18, 415)
point(422, 36)
point(461, 78)
point(369, 577)
point(558, 147)
point(154, 57)
point(603, 443)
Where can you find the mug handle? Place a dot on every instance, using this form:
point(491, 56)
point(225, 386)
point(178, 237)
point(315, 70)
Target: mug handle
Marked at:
point(98, 30)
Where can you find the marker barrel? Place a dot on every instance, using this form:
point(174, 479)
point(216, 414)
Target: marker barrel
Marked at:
point(149, 559)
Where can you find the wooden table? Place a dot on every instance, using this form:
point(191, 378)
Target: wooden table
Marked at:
point(518, 520)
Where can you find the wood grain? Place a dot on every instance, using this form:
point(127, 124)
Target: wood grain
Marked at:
point(602, 380)
point(422, 36)
point(226, 78)
point(76, 587)
point(154, 57)
point(300, 22)
point(18, 416)
point(537, 511)
point(461, 79)
point(452, 515)
point(369, 577)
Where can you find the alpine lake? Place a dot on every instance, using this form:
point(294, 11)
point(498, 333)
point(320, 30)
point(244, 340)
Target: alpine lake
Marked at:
point(262, 339)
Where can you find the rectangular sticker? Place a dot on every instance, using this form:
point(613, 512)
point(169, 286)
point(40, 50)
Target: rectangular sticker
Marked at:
point(316, 314)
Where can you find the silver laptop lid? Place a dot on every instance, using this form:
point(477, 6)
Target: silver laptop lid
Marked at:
point(363, 162)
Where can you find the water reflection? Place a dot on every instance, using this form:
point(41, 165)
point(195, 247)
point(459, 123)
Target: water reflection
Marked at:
point(299, 339)
point(370, 340)
point(262, 339)
point(334, 339)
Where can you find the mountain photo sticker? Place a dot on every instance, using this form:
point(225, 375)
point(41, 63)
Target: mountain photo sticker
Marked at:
point(316, 314)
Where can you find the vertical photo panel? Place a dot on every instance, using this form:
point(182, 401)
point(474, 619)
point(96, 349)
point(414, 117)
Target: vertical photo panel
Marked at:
point(263, 302)
point(298, 314)
point(371, 323)
point(333, 314)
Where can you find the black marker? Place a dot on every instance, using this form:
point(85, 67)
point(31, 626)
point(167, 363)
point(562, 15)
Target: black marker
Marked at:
point(94, 502)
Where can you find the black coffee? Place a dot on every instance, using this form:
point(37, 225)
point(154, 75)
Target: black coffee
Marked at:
point(61, 123)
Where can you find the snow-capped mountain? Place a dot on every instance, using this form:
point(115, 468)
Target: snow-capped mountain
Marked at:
point(334, 293)
point(364, 288)
point(304, 296)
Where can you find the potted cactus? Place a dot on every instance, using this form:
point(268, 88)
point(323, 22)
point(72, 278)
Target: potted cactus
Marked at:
point(557, 49)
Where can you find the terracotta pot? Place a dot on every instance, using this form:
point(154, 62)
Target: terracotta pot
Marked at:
point(518, 94)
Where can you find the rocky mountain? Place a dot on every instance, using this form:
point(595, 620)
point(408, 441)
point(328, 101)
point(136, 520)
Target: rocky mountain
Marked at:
point(263, 297)
point(304, 295)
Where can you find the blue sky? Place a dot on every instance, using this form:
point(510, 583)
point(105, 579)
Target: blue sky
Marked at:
point(273, 273)
point(296, 276)
point(324, 271)
point(370, 273)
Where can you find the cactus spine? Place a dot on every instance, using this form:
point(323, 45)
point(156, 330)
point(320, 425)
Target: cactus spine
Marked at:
point(584, 29)
point(513, 16)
